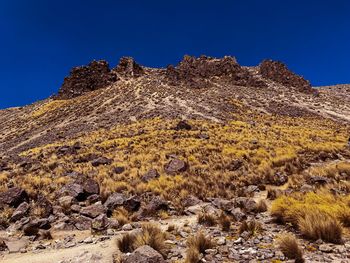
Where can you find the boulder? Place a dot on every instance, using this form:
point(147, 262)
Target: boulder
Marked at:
point(66, 201)
point(73, 190)
point(144, 254)
point(118, 169)
point(175, 166)
point(93, 210)
point(114, 200)
point(13, 197)
point(101, 161)
point(150, 175)
point(99, 224)
point(20, 212)
point(238, 214)
point(91, 187)
point(81, 222)
point(132, 204)
point(183, 125)
point(320, 180)
point(245, 203)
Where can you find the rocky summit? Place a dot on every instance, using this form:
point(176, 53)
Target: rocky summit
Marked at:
point(203, 161)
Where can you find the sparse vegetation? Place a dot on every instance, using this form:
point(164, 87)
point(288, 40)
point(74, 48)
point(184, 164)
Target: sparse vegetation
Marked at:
point(126, 243)
point(206, 219)
point(253, 227)
point(288, 244)
point(197, 244)
point(316, 215)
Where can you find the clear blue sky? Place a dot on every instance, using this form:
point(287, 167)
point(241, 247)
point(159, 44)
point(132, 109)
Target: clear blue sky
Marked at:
point(41, 40)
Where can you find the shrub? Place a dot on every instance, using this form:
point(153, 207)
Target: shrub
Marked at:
point(252, 227)
point(199, 243)
point(225, 222)
point(121, 215)
point(126, 243)
point(206, 219)
point(152, 236)
point(318, 225)
point(288, 244)
point(261, 206)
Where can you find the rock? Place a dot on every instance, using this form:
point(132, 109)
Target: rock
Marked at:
point(245, 203)
point(238, 214)
point(183, 125)
point(238, 240)
point(156, 204)
point(91, 187)
point(75, 208)
point(93, 210)
point(132, 204)
point(93, 199)
point(175, 166)
point(99, 224)
point(114, 200)
point(3, 246)
point(66, 201)
point(150, 175)
point(101, 161)
point(306, 188)
point(127, 67)
point(278, 72)
point(320, 180)
point(74, 190)
point(13, 197)
point(127, 227)
point(14, 246)
point(190, 201)
point(144, 254)
point(226, 205)
point(119, 169)
point(95, 75)
point(44, 235)
point(325, 248)
point(44, 205)
point(81, 222)
point(31, 229)
point(20, 212)
point(221, 241)
point(41, 223)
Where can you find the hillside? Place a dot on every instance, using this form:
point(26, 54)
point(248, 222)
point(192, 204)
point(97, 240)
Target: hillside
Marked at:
point(241, 153)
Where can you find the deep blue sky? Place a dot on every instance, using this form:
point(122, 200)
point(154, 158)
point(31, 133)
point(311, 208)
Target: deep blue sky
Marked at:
point(41, 40)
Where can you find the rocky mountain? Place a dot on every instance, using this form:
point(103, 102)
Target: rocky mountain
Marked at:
point(220, 157)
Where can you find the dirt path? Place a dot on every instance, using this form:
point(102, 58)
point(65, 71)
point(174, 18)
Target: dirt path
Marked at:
point(100, 252)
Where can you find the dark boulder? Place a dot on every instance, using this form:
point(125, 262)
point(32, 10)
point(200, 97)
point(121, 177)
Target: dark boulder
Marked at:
point(132, 204)
point(119, 169)
point(99, 224)
point(144, 254)
point(73, 190)
point(20, 212)
point(93, 210)
point(114, 200)
point(183, 125)
point(175, 166)
point(150, 175)
point(13, 197)
point(101, 161)
point(91, 187)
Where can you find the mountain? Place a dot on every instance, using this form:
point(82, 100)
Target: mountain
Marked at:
point(208, 141)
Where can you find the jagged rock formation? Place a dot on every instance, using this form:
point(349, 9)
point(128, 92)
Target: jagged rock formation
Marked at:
point(197, 72)
point(278, 72)
point(127, 67)
point(83, 79)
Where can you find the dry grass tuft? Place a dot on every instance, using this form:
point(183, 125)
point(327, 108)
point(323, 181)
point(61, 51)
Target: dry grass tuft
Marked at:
point(152, 236)
point(197, 245)
point(206, 219)
point(316, 215)
point(225, 222)
point(253, 227)
point(288, 244)
point(261, 206)
point(121, 215)
point(126, 243)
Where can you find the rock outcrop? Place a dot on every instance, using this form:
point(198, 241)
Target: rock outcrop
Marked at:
point(278, 72)
point(127, 67)
point(196, 72)
point(83, 79)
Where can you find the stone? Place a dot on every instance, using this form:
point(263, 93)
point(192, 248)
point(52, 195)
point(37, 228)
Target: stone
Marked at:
point(221, 241)
point(93, 199)
point(119, 169)
point(14, 246)
point(66, 201)
point(127, 227)
point(13, 197)
point(101, 161)
point(74, 190)
point(91, 187)
point(99, 224)
point(127, 67)
point(114, 200)
point(132, 204)
point(320, 180)
point(150, 175)
point(325, 248)
point(183, 125)
point(144, 254)
point(20, 212)
point(156, 204)
point(245, 203)
point(81, 222)
point(175, 166)
point(93, 210)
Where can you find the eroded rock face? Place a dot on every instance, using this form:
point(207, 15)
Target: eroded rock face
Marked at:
point(127, 67)
point(83, 79)
point(196, 72)
point(278, 72)
point(13, 197)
